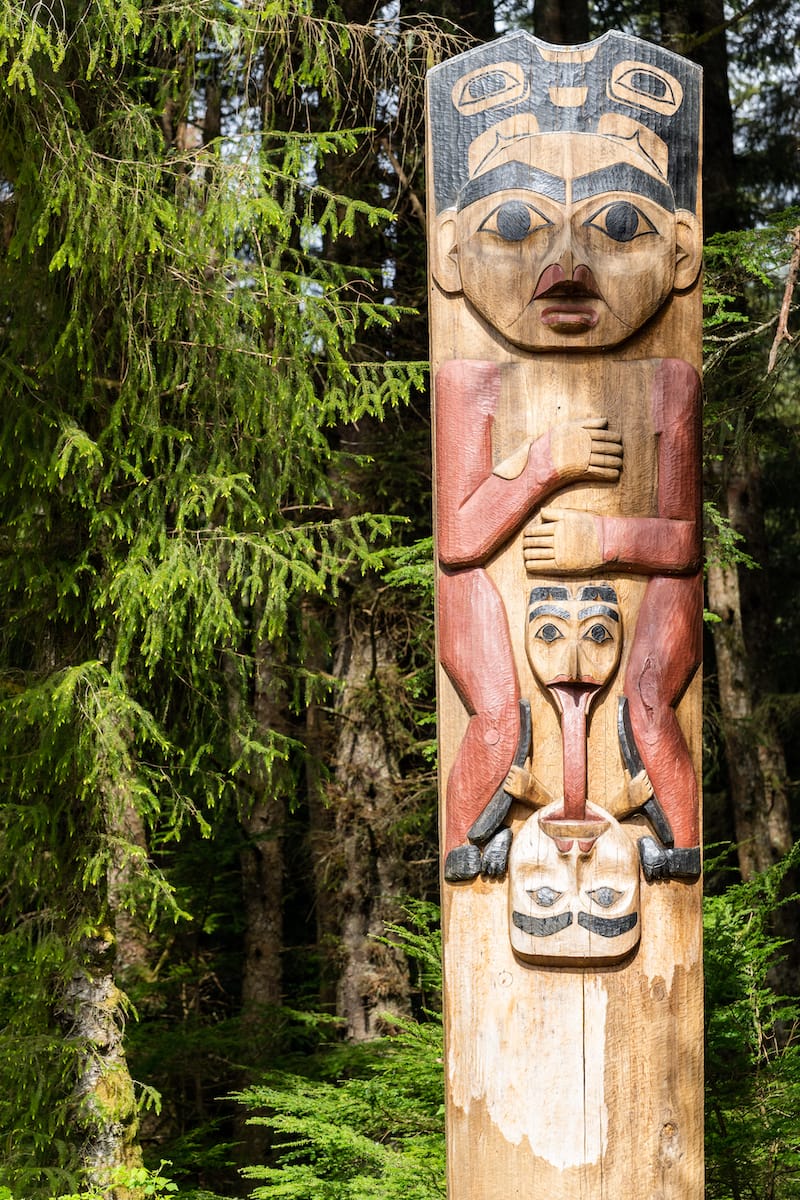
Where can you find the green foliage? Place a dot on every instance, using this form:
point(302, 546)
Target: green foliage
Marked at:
point(138, 1180)
point(752, 1045)
point(744, 271)
point(176, 360)
point(377, 1131)
point(723, 543)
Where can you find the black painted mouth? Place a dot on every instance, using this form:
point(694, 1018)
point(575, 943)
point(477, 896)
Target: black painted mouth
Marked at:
point(541, 926)
point(607, 927)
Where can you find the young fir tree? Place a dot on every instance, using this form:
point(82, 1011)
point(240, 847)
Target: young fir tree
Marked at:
point(174, 353)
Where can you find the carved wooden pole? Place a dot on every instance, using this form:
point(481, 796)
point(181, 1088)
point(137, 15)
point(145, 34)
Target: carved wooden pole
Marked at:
point(565, 343)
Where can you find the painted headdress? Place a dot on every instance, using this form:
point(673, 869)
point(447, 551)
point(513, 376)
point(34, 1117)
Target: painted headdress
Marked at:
point(617, 87)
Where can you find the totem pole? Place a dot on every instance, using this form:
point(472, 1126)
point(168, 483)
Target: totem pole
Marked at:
point(564, 242)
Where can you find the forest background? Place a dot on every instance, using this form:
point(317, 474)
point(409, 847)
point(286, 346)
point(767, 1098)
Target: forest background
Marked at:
point(218, 857)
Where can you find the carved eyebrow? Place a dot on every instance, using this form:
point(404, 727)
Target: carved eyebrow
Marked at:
point(598, 591)
point(560, 593)
point(543, 926)
point(607, 927)
point(551, 610)
point(623, 177)
point(517, 176)
point(598, 610)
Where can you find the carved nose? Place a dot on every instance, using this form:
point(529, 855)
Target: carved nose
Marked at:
point(566, 260)
point(573, 670)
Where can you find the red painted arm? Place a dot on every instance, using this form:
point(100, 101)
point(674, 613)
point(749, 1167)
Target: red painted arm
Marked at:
point(671, 542)
point(478, 511)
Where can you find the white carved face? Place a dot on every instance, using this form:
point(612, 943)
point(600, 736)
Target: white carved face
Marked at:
point(572, 905)
point(570, 241)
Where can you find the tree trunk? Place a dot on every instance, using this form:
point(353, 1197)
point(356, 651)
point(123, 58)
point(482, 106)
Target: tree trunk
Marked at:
point(319, 737)
point(262, 812)
point(561, 22)
point(105, 1105)
point(132, 956)
point(698, 30)
point(374, 978)
point(756, 762)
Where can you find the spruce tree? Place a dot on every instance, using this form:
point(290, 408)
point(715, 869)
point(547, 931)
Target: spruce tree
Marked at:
point(174, 355)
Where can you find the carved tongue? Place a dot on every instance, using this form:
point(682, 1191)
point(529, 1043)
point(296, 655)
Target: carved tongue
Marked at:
point(574, 698)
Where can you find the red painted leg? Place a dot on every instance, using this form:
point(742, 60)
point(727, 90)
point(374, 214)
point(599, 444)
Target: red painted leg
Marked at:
point(475, 650)
point(665, 656)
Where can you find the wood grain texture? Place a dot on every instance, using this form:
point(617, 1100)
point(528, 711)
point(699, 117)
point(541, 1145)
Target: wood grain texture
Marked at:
point(565, 346)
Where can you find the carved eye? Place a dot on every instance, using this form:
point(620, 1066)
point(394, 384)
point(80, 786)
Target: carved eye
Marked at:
point(599, 634)
point(604, 896)
point(621, 221)
point(490, 84)
point(514, 220)
point(545, 897)
point(549, 633)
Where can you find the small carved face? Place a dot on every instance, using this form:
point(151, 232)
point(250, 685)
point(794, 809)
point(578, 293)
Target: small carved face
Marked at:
point(574, 638)
point(567, 904)
point(570, 241)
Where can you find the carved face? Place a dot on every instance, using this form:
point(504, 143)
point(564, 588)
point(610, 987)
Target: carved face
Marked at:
point(573, 638)
point(567, 241)
point(566, 904)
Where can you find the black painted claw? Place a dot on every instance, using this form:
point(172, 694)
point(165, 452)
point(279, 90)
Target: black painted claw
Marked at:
point(633, 762)
point(496, 810)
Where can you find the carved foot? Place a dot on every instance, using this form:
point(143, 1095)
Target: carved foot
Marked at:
point(660, 862)
point(495, 855)
point(462, 864)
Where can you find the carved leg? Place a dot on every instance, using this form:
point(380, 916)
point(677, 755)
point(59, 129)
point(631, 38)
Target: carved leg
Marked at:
point(475, 650)
point(664, 657)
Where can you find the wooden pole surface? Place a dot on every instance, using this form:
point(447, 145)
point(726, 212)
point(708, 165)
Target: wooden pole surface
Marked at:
point(564, 239)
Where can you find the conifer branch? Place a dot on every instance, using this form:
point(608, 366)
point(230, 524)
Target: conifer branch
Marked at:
point(782, 332)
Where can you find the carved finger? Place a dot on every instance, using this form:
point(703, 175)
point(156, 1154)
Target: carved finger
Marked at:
point(606, 447)
point(552, 514)
point(606, 435)
point(611, 473)
point(595, 423)
point(516, 783)
point(605, 460)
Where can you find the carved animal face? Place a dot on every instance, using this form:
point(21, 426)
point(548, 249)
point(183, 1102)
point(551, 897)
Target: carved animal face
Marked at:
point(574, 635)
point(567, 241)
point(570, 905)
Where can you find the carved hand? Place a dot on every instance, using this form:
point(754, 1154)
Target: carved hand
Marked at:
point(636, 791)
point(523, 785)
point(586, 450)
point(517, 783)
point(563, 539)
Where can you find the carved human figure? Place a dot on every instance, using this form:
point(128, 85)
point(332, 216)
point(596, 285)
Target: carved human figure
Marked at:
point(565, 242)
point(480, 508)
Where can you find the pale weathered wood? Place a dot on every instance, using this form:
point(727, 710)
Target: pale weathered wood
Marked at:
point(565, 327)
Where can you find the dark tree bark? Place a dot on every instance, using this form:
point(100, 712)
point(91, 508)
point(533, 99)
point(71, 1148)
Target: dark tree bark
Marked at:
point(754, 751)
point(106, 1117)
point(374, 978)
point(696, 28)
point(561, 22)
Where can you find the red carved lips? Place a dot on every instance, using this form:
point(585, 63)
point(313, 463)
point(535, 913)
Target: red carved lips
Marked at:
point(568, 310)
